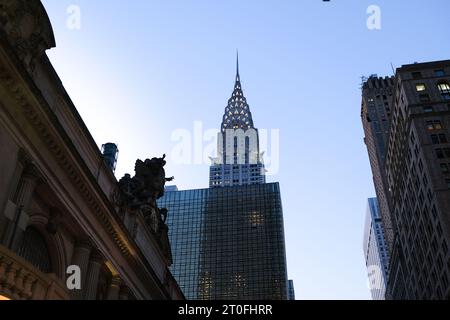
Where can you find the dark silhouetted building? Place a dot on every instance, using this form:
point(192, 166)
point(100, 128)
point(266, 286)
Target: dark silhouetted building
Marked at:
point(376, 115)
point(417, 166)
point(60, 218)
point(417, 171)
point(291, 290)
point(228, 243)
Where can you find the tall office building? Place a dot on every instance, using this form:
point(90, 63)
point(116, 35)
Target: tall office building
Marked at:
point(376, 111)
point(228, 241)
point(375, 251)
point(417, 170)
point(239, 161)
point(291, 290)
point(417, 166)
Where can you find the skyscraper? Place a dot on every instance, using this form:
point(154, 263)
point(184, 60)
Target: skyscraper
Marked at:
point(228, 241)
point(239, 161)
point(375, 251)
point(417, 171)
point(376, 110)
point(291, 290)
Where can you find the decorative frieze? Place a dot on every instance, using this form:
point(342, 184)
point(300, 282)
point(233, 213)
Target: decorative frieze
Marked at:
point(16, 91)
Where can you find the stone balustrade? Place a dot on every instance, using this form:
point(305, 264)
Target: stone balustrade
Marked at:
point(19, 280)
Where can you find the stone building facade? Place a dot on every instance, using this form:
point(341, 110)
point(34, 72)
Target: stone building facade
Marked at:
point(410, 157)
point(376, 110)
point(58, 197)
point(418, 176)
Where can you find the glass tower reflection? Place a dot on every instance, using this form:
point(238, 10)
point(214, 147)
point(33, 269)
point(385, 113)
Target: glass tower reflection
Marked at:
point(228, 243)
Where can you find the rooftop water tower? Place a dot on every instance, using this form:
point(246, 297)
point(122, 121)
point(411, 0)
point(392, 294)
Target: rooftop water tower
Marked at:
point(110, 153)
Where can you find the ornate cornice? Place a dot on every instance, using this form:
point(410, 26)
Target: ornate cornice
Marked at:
point(25, 34)
point(17, 93)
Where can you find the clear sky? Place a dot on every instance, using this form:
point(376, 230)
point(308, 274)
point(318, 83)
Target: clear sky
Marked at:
point(139, 70)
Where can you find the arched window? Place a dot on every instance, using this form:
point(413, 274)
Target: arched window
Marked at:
point(34, 249)
point(444, 89)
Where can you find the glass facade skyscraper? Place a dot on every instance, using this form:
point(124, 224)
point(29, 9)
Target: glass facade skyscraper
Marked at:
point(291, 290)
point(228, 243)
point(406, 121)
point(376, 251)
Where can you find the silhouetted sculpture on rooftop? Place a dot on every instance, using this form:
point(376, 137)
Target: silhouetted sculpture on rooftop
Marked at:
point(139, 193)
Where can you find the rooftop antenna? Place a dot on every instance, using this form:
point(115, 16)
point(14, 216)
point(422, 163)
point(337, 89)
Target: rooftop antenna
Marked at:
point(237, 61)
point(363, 80)
point(393, 70)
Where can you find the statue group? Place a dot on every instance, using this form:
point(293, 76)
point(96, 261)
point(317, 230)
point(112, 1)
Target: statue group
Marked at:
point(140, 193)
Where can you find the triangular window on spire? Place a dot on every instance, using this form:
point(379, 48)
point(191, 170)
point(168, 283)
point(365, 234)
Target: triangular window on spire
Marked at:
point(237, 112)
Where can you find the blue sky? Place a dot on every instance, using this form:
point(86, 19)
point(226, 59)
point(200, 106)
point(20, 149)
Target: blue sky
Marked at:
point(139, 70)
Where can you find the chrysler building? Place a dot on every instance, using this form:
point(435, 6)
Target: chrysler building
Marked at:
point(239, 161)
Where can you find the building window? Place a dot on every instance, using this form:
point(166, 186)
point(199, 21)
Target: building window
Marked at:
point(434, 139)
point(444, 168)
point(439, 73)
point(445, 152)
point(428, 109)
point(439, 154)
point(420, 87)
point(417, 75)
point(34, 249)
point(444, 89)
point(438, 138)
point(433, 125)
point(424, 97)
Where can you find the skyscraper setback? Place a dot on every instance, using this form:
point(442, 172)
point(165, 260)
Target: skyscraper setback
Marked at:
point(376, 116)
point(416, 168)
point(228, 241)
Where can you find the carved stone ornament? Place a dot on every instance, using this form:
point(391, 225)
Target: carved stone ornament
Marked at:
point(139, 194)
point(27, 27)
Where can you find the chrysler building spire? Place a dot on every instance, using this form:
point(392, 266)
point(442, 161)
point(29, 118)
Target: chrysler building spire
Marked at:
point(237, 113)
point(238, 160)
point(237, 66)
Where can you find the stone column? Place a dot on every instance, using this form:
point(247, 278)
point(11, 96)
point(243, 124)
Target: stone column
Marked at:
point(9, 207)
point(23, 160)
point(114, 288)
point(91, 284)
point(80, 258)
point(18, 215)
